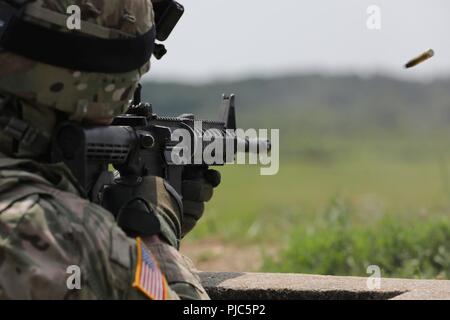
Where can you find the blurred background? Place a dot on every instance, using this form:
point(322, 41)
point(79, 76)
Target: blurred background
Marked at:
point(365, 144)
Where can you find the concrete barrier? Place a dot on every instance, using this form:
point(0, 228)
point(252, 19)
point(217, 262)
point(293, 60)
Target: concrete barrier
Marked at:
point(269, 286)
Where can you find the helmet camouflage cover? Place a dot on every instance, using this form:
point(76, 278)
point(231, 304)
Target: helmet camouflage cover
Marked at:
point(81, 94)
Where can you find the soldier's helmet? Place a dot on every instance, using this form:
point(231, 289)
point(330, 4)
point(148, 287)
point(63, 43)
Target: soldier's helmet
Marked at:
point(81, 58)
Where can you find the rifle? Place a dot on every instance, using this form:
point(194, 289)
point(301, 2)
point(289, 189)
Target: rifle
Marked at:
point(140, 143)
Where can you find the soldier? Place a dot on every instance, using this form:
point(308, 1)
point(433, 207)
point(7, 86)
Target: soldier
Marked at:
point(48, 229)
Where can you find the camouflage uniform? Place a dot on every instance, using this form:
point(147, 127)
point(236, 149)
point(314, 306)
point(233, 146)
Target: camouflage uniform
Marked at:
point(46, 224)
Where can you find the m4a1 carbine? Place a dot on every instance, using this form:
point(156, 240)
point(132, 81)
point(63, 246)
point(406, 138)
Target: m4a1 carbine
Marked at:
point(140, 143)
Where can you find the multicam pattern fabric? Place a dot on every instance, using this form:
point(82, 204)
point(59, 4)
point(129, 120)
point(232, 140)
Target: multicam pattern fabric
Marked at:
point(45, 227)
point(84, 95)
point(44, 230)
point(179, 272)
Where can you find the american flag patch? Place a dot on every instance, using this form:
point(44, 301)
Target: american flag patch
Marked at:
point(149, 279)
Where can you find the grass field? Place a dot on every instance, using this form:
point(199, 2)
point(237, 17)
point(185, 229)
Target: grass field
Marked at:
point(339, 205)
point(364, 177)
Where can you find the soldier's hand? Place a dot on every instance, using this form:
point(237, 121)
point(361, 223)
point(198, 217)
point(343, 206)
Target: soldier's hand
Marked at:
point(145, 206)
point(197, 188)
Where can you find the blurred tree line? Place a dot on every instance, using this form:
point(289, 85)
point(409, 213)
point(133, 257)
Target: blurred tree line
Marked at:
point(345, 105)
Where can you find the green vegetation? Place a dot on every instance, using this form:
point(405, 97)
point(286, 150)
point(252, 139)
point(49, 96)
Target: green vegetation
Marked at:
point(364, 176)
point(254, 207)
point(417, 248)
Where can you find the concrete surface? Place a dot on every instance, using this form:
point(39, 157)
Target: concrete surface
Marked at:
point(248, 286)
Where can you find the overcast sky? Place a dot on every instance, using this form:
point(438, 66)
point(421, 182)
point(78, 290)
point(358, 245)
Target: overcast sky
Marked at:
point(239, 38)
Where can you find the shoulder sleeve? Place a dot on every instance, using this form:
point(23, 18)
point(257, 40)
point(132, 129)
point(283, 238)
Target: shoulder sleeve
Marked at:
point(75, 251)
point(179, 272)
point(32, 263)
